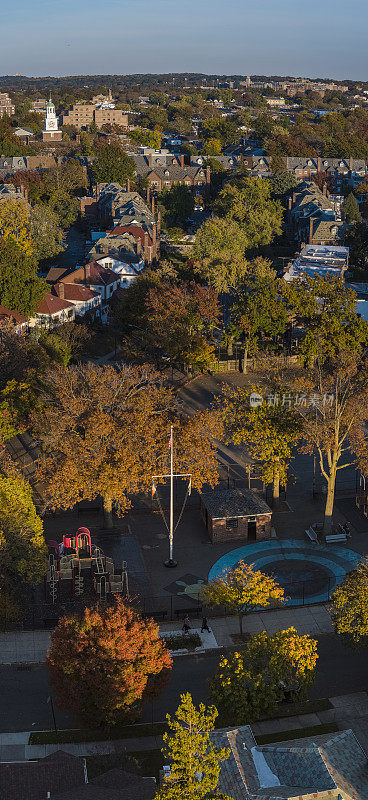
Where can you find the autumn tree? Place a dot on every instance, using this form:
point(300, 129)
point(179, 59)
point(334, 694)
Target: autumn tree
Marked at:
point(195, 762)
point(14, 221)
point(265, 423)
point(105, 664)
point(22, 544)
point(241, 590)
point(252, 683)
point(350, 606)
point(20, 287)
point(105, 432)
point(180, 319)
point(332, 410)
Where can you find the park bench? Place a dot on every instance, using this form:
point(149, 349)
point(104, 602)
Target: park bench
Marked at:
point(335, 538)
point(311, 535)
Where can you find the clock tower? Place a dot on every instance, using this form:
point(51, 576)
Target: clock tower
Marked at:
point(50, 132)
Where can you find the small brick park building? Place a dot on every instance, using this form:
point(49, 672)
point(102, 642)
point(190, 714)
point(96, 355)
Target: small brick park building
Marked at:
point(234, 514)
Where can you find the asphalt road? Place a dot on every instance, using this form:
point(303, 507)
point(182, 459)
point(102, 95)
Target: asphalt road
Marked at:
point(24, 693)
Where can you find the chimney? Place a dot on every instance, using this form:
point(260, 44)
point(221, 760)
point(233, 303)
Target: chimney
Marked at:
point(153, 206)
point(208, 174)
point(287, 162)
point(148, 195)
point(159, 225)
point(128, 184)
point(182, 160)
point(154, 241)
point(319, 164)
point(97, 191)
point(26, 193)
point(324, 189)
point(113, 209)
point(294, 198)
point(87, 272)
point(139, 247)
point(350, 163)
point(150, 160)
point(60, 290)
point(105, 249)
point(146, 250)
point(290, 203)
point(310, 230)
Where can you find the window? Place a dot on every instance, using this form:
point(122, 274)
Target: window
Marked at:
point(231, 523)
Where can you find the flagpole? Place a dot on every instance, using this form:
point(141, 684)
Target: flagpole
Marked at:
point(170, 562)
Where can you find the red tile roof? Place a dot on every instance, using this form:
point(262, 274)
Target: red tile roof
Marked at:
point(99, 275)
point(74, 292)
point(135, 230)
point(51, 305)
point(7, 314)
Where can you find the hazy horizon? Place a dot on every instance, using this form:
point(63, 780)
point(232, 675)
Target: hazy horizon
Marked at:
point(49, 39)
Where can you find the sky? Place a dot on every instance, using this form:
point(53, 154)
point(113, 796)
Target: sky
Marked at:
point(311, 38)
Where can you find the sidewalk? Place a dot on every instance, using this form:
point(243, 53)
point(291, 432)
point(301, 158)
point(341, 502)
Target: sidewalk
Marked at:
point(349, 711)
point(30, 647)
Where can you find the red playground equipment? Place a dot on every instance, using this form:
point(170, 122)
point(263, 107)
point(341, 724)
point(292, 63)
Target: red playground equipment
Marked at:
point(75, 563)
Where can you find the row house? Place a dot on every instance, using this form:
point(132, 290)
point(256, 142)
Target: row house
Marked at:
point(351, 170)
point(314, 217)
point(160, 178)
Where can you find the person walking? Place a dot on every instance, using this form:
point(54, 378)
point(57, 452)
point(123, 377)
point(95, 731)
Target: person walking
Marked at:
point(205, 625)
point(186, 624)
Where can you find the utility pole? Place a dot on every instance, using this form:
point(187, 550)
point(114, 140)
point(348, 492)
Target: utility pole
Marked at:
point(170, 562)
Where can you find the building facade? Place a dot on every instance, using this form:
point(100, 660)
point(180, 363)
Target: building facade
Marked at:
point(51, 131)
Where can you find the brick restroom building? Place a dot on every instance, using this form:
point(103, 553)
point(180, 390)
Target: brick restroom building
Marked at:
point(235, 514)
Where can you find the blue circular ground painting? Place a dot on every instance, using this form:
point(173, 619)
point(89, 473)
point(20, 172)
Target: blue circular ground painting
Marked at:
point(308, 573)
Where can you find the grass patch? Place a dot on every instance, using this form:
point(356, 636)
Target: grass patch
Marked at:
point(146, 763)
point(188, 641)
point(301, 733)
point(98, 734)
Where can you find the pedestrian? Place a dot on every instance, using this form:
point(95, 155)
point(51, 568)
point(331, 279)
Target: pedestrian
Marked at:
point(205, 625)
point(186, 624)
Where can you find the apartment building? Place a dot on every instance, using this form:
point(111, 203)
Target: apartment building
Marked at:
point(82, 115)
point(6, 105)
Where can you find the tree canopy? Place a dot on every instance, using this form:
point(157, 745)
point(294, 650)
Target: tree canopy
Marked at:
point(20, 287)
point(22, 545)
point(112, 164)
point(350, 606)
point(104, 664)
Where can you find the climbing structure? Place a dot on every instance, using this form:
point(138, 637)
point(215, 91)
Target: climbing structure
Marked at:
point(76, 563)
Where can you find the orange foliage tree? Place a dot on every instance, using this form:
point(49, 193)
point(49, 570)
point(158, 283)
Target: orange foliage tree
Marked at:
point(105, 432)
point(105, 664)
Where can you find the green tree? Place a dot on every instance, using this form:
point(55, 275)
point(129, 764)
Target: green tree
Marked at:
point(20, 288)
point(350, 606)
point(46, 234)
point(241, 590)
point(282, 182)
point(252, 683)
point(22, 545)
point(112, 165)
point(104, 664)
point(195, 762)
point(64, 207)
point(269, 431)
point(258, 314)
point(350, 209)
point(212, 147)
point(178, 206)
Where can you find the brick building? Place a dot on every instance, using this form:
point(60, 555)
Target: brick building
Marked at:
point(82, 115)
point(6, 105)
point(232, 514)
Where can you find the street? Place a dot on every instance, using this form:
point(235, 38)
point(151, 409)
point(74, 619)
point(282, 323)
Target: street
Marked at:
point(24, 692)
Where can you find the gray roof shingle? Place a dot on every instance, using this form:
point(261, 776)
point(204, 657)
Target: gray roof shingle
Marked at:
point(222, 503)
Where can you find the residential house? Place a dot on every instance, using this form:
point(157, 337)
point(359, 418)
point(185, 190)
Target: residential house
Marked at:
point(233, 514)
point(315, 217)
point(349, 170)
point(13, 319)
point(97, 278)
point(84, 300)
point(126, 272)
point(122, 246)
point(319, 260)
point(52, 311)
point(333, 768)
point(62, 776)
point(24, 135)
point(165, 177)
point(10, 192)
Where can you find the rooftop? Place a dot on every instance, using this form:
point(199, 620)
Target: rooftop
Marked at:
point(222, 503)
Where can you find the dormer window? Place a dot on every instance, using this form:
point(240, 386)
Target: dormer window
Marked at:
point(261, 161)
point(325, 163)
point(309, 163)
point(341, 164)
point(167, 172)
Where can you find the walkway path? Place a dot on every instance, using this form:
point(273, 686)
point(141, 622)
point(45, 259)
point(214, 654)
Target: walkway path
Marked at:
point(349, 711)
point(30, 647)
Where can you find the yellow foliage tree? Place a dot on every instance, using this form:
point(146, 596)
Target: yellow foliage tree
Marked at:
point(241, 590)
point(350, 606)
point(14, 223)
